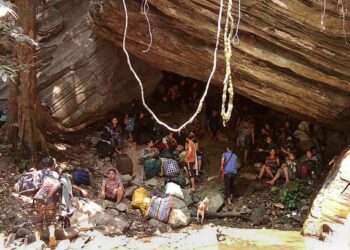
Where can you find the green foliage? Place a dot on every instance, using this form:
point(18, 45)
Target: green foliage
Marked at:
point(289, 195)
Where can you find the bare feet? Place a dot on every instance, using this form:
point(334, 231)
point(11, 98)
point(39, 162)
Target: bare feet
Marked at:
point(270, 182)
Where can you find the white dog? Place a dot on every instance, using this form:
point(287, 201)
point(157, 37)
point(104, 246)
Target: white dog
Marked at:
point(202, 209)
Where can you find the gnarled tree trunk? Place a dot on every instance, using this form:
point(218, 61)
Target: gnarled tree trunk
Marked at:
point(29, 133)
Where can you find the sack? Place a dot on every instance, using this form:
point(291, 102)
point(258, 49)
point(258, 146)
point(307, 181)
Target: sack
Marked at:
point(138, 197)
point(49, 191)
point(159, 208)
point(151, 167)
point(171, 168)
point(174, 190)
point(104, 149)
point(29, 183)
point(124, 164)
point(81, 177)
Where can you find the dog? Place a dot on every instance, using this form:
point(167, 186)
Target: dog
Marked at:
point(202, 209)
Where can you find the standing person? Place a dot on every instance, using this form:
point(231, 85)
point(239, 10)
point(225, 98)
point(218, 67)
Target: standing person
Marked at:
point(116, 133)
point(228, 170)
point(246, 136)
point(214, 123)
point(191, 158)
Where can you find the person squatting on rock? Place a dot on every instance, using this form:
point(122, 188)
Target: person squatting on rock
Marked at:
point(228, 171)
point(112, 188)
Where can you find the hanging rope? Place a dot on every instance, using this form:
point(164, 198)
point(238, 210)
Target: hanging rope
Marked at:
point(200, 105)
point(343, 11)
point(144, 11)
point(323, 13)
point(236, 38)
point(228, 86)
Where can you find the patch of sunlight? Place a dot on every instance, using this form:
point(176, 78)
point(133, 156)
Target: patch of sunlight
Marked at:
point(2, 241)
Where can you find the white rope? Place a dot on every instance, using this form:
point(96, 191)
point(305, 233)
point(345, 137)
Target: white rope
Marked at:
point(140, 83)
point(343, 12)
point(236, 38)
point(228, 86)
point(323, 13)
point(144, 11)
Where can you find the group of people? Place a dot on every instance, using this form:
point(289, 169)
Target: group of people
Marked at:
point(281, 151)
point(168, 158)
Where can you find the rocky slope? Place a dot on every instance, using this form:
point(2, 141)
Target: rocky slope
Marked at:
point(284, 60)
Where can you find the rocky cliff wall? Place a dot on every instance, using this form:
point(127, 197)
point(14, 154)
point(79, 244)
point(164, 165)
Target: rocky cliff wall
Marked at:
point(284, 60)
point(82, 77)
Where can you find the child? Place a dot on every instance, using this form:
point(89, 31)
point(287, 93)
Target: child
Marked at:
point(112, 188)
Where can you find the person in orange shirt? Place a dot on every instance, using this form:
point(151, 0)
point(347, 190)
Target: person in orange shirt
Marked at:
point(191, 159)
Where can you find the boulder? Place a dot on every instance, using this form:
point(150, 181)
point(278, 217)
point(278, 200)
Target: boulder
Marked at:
point(178, 203)
point(126, 178)
point(121, 207)
point(187, 197)
point(109, 224)
point(152, 182)
point(129, 191)
point(216, 199)
point(179, 218)
point(161, 226)
point(257, 215)
point(124, 164)
point(22, 232)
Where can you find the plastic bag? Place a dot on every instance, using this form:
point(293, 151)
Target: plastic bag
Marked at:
point(138, 197)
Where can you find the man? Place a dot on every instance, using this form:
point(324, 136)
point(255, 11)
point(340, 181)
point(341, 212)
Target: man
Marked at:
point(191, 158)
point(169, 141)
point(228, 170)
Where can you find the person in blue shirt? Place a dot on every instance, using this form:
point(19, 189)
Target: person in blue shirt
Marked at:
point(229, 166)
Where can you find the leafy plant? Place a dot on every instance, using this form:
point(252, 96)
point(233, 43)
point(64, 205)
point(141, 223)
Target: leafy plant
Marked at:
point(289, 196)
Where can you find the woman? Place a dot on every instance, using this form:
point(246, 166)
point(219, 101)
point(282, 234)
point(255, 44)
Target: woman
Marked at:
point(271, 165)
point(112, 188)
point(246, 136)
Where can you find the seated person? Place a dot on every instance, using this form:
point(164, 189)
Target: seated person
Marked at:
point(310, 160)
point(288, 170)
point(287, 147)
point(263, 152)
point(169, 141)
point(271, 164)
point(146, 152)
point(267, 130)
point(179, 153)
point(112, 188)
point(152, 166)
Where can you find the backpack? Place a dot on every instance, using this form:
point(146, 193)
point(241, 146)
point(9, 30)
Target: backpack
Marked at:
point(171, 168)
point(81, 177)
point(49, 191)
point(104, 149)
point(151, 167)
point(30, 182)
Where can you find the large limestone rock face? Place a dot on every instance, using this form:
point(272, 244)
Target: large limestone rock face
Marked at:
point(284, 60)
point(82, 77)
